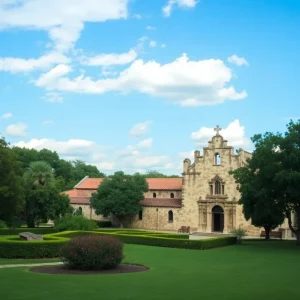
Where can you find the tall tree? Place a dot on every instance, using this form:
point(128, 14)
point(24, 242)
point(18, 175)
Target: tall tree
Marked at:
point(120, 195)
point(287, 180)
point(257, 186)
point(42, 199)
point(11, 184)
point(156, 174)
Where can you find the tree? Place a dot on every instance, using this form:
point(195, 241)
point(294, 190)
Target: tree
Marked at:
point(11, 184)
point(287, 180)
point(42, 199)
point(81, 169)
point(257, 186)
point(156, 174)
point(120, 195)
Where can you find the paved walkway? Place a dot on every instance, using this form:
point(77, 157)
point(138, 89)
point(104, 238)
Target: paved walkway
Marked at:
point(29, 265)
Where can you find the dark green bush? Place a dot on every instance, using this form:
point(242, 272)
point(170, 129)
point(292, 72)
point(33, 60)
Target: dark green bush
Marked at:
point(15, 248)
point(2, 224)
point(70, 222)
point(92, 252)
point(38, 230)
point(103, 224)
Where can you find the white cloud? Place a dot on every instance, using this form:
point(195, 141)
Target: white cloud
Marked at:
point(47, 122)
point(152, 44)
point(147, 143)
point(70, 147)
point(17, 130)
point(7, 115)
point(163, 45)
point(140, 129)
point(20, 65)
point(63, 20)
point(183, 4)
point(185, 82)
point(53, 97)
point(110, 59)
point(234, 133)
point(150, 27)
point(239, 61)
point(130, 159)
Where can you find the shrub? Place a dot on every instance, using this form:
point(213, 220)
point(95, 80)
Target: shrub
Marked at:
point(92, 252)
point(239, 233)
point(13, 247)
point(2, 224)
point(103, 224)
point(70, 222)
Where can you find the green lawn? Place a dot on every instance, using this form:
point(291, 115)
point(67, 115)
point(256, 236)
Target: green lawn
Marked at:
point(258, 270)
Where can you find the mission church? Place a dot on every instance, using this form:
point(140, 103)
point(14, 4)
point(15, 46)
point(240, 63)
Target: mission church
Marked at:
point(205, 198)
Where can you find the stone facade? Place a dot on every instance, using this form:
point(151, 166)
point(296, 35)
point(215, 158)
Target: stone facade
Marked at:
point(205, 198)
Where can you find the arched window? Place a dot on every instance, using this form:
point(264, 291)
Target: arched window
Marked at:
point(172, 195)
point(154, 195)
point(217, 187)
point(217, 159)
point(80, 210)
point(170, 216)
point(140, 215)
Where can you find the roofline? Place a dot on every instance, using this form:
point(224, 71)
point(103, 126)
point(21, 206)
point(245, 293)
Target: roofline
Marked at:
point(84, 178)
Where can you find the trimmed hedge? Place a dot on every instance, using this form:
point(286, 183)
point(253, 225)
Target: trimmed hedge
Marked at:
point(12, 247)
point(38, 230)
point(47, 248)
point(151, 240)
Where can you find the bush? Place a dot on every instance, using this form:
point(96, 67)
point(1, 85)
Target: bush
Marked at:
point(92, 252)
point(2, 224)
point(70, 222)
point(103, 224)
point(16, 248)
point(239, 233)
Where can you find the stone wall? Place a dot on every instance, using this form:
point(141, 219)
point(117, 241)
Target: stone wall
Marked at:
point(88, 212)
point(163, 194)
point(156, 218)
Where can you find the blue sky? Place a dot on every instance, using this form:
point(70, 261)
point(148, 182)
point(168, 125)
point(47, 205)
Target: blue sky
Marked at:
point(139, 85)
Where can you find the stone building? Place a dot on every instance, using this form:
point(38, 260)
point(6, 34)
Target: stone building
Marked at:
point(205, 198)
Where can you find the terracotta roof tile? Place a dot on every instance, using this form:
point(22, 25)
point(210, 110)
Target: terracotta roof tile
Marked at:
point(154, 183)
point(80, 200)
point(162, 202)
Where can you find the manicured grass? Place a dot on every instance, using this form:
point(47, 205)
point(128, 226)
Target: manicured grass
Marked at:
point(256, 270)
point(4, 261)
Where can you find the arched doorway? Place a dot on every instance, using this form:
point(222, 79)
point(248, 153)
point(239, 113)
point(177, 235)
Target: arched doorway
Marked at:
point(217, 218)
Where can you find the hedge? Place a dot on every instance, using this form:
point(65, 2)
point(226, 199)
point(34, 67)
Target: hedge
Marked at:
point(38, 230)
point(152, 240)
point(15, 248)
point(12, 247)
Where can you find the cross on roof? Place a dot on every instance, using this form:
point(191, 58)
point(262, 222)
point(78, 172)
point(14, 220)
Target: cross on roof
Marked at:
point(217, 129)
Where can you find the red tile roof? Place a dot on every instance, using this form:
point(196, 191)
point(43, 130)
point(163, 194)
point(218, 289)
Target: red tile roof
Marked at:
point(79, 200)
point(161, 202)
point(154, 183)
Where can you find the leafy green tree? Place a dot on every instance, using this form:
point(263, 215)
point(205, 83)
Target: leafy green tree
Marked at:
point(287, 180)
point(257, 187)
point(11, 184)
point(81, 169)
point(156, 174)
point(42, 198)
point(120, 195)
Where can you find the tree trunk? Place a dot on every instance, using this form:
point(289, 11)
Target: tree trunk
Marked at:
point(30, 222)
point(298, 237)
point(292, 228)
point(267, 230)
